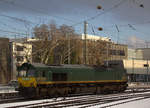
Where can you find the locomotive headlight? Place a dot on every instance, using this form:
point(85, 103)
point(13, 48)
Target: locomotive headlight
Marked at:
point(31, 84)
point(22, 73)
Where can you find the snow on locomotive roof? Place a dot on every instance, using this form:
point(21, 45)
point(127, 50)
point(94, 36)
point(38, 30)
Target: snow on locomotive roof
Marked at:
point(39, 65)
point(62, 65)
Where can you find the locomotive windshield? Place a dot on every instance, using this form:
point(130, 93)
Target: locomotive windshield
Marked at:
point(27, 73)
point(22, 73)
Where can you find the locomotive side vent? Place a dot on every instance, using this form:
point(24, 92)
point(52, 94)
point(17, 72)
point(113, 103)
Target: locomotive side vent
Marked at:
point(59, 76)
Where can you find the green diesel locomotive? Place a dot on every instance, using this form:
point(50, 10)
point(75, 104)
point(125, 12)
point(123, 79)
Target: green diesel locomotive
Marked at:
point(38, 80)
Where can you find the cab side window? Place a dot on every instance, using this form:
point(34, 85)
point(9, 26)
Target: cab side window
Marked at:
point(43, 73)
point(31, 72)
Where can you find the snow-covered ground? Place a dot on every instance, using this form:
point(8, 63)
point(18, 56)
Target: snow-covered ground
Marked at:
point(135, 103)
point(123, 104)
point(145, 103)
point(25, 103)
point(6, 89)
point(138, 85)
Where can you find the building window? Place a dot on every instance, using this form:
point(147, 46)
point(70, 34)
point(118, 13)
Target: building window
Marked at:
point(20, 48)
point(112, 52)
point(44, 74)
point(122, 53)
point(117, 52)
point(19, 58)
point(31, 72)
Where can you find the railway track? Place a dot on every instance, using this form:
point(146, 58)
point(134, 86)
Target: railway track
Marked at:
point(11, 100)
point(86, 101)
point(112, 101)
point(10, 97)
point(89, 101)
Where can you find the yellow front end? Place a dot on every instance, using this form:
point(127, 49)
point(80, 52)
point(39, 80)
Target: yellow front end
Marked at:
point(27, 82)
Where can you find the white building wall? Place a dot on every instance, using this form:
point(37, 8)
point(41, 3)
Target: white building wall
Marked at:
point(143, 53)
point(139, 54)
point(25, 53)
point(131, 54)
point(136, 66)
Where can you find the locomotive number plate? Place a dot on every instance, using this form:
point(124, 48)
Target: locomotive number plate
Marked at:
point(25, 78)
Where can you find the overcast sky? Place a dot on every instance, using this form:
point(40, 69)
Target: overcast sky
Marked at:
point(131, 19)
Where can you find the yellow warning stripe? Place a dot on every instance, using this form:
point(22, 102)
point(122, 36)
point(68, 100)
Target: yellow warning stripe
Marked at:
point(73, 82)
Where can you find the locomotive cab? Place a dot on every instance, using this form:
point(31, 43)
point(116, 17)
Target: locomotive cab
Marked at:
point(26, 76)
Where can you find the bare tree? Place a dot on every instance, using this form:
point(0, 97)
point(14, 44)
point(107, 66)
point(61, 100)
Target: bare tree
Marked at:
point(97, 52)
point(58, 45)
point(52, 45)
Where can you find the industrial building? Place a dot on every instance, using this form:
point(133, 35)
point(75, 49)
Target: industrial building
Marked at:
point(143, 53)
point(105, 49)
point(137, 65)
point(5, 74)
point(137, 70)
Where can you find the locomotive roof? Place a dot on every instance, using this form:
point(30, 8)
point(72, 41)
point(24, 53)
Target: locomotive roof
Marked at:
point(40, 65)
point(62, 65)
